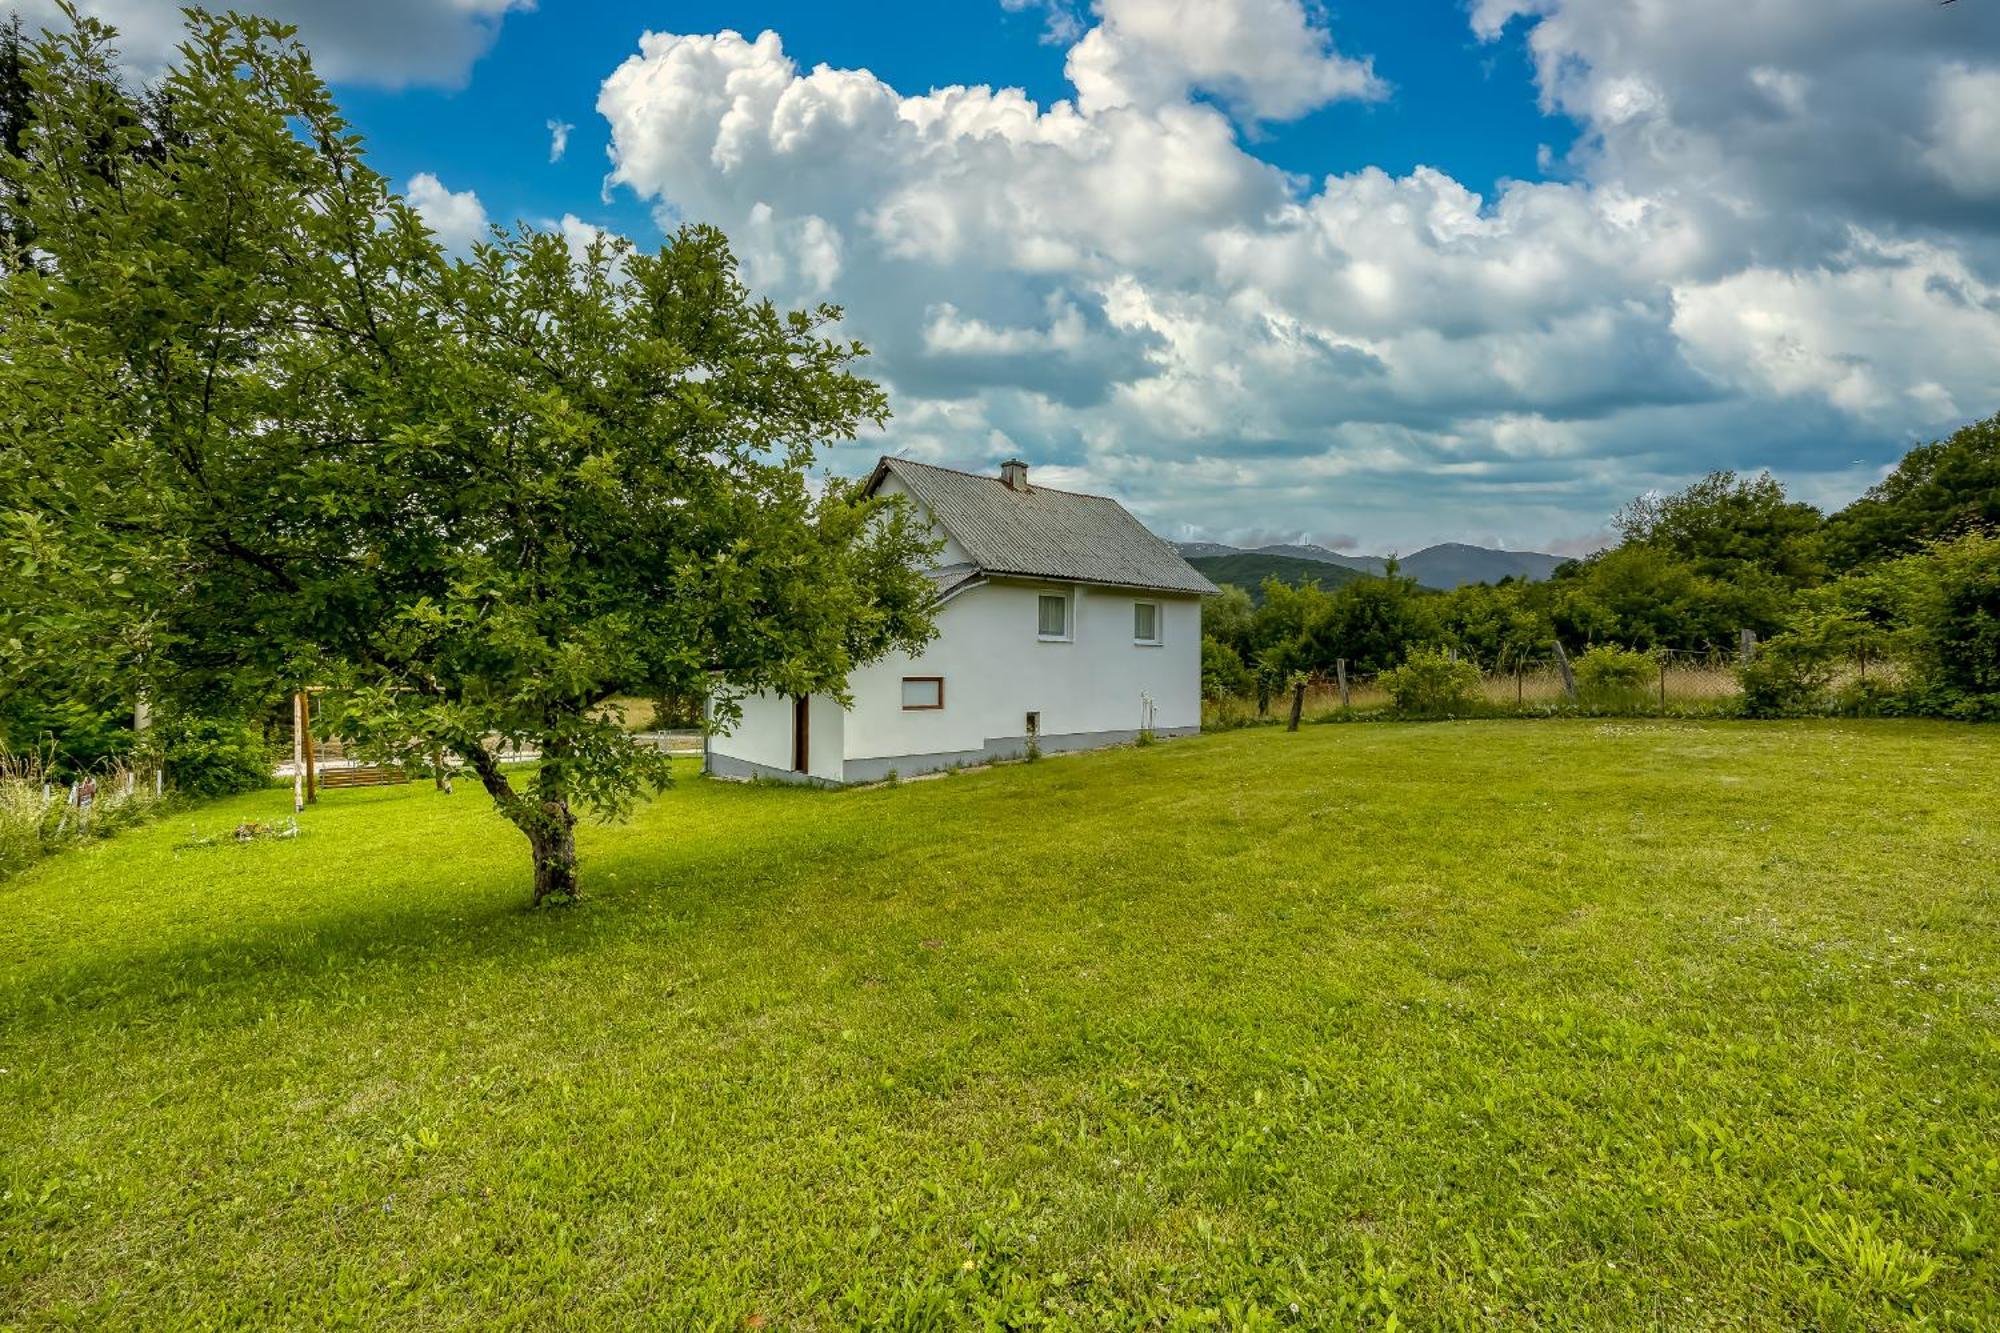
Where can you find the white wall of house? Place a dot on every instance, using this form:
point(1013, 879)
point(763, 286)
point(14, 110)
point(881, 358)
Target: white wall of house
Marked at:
point(997, 669)
point(764, 736)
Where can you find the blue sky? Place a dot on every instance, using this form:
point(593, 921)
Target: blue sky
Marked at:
point(1371, 275)
point(1463, 106)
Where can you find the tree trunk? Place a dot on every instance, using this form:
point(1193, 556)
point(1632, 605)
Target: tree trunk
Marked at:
point(553, 839)
point(548, 824)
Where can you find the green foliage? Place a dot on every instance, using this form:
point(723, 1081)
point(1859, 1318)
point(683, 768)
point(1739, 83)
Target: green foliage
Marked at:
point(268, 433)
point(1725, 524)
point(1520, 1002)
point(1222, 671)
point(1611, 677)
point(1948, 596)
point(1939, 491)
point(1432, 683)
point(205, 756)
point(1791, 671)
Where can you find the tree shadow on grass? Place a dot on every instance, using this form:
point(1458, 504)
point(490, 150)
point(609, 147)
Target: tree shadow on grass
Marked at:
point(437, 897)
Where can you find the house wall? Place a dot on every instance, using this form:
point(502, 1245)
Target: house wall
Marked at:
point(761, 744)
point(996, 670)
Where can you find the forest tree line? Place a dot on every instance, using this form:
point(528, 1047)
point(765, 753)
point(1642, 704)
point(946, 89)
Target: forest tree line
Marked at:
point(1908, 575)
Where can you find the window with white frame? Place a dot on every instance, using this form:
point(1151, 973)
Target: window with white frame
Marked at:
point(1146, 622)
point(921, 693)
point(1052, 616)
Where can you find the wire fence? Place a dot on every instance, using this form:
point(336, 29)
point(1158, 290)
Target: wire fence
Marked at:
point(1679, 682)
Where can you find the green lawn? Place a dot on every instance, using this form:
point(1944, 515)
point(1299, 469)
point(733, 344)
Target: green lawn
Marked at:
point(1572, 1024)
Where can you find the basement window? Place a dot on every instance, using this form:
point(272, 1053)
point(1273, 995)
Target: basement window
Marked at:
point(923, 693)
point(1146, 623)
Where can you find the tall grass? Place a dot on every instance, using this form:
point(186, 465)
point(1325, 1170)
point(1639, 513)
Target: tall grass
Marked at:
point(39, 817)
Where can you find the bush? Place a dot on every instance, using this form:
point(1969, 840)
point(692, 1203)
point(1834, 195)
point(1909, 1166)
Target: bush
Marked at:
point(205, 756)
point(1608, 676)
point(1793, 669)
point(1430, 683)
point(1958, 627)
point(1223, 674)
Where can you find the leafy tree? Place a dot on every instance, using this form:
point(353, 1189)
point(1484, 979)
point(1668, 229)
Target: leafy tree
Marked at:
point(1725, 524)
point(1228, 614)
point(258, 430)
point(1373, 622)
point(1938, 491)
point(1500, 623)
point(1223, 674)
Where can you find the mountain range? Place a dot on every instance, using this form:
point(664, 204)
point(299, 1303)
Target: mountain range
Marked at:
point(1446, 565)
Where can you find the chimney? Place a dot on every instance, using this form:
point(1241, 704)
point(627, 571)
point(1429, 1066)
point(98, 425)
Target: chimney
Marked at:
point(1015, 473)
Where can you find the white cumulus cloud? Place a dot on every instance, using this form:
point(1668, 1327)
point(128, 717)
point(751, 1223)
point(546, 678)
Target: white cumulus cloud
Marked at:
point(1773, 244)
point(457, 217)
point(388, 43)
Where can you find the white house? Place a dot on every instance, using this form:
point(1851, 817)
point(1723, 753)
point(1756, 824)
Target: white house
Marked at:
point(1060, 618)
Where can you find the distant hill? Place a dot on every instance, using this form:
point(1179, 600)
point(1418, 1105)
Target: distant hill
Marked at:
point(1453, 564)
point(1249, 569)
point(1366, 564)
point(1444, 566)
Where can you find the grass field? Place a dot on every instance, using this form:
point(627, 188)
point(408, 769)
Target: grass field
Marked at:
point(1560, 1024)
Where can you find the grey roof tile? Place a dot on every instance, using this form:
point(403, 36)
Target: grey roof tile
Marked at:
point(1043, 533)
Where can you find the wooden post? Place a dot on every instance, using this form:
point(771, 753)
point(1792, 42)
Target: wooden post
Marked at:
point(1298, 704)
point(1520, 676)
point(1569, 677)
point(312, 752)
point(1746, 645)
point(1663, 682)
point(298, 752)
point(1340, 671)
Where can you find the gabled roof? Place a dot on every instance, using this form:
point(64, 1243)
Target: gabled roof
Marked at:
point(1043, 533)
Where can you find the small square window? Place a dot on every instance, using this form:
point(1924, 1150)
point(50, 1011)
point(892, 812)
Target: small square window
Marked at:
point(923, 692)
point(1145, 622)
point(1054, 617)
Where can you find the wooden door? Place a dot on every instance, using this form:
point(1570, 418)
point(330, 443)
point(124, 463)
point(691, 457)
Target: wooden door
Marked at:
point(801, 733)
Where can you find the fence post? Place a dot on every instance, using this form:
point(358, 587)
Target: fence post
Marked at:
point(312, 754)
point(1298, 703)
point(1663, 682)
point(298, 753)
point(1569, 677)
point(1340, 671)
point(1746, 645)
point(1520, 672)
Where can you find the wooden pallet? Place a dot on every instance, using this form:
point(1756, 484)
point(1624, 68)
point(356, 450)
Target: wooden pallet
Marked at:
point(361, 775)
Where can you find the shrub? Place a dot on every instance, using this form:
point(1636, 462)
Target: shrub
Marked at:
point(1431, 683)
point(1793, 669)
point(1608, 676)
point(1958, 627)
point(206, 756)
point(1223, 674)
